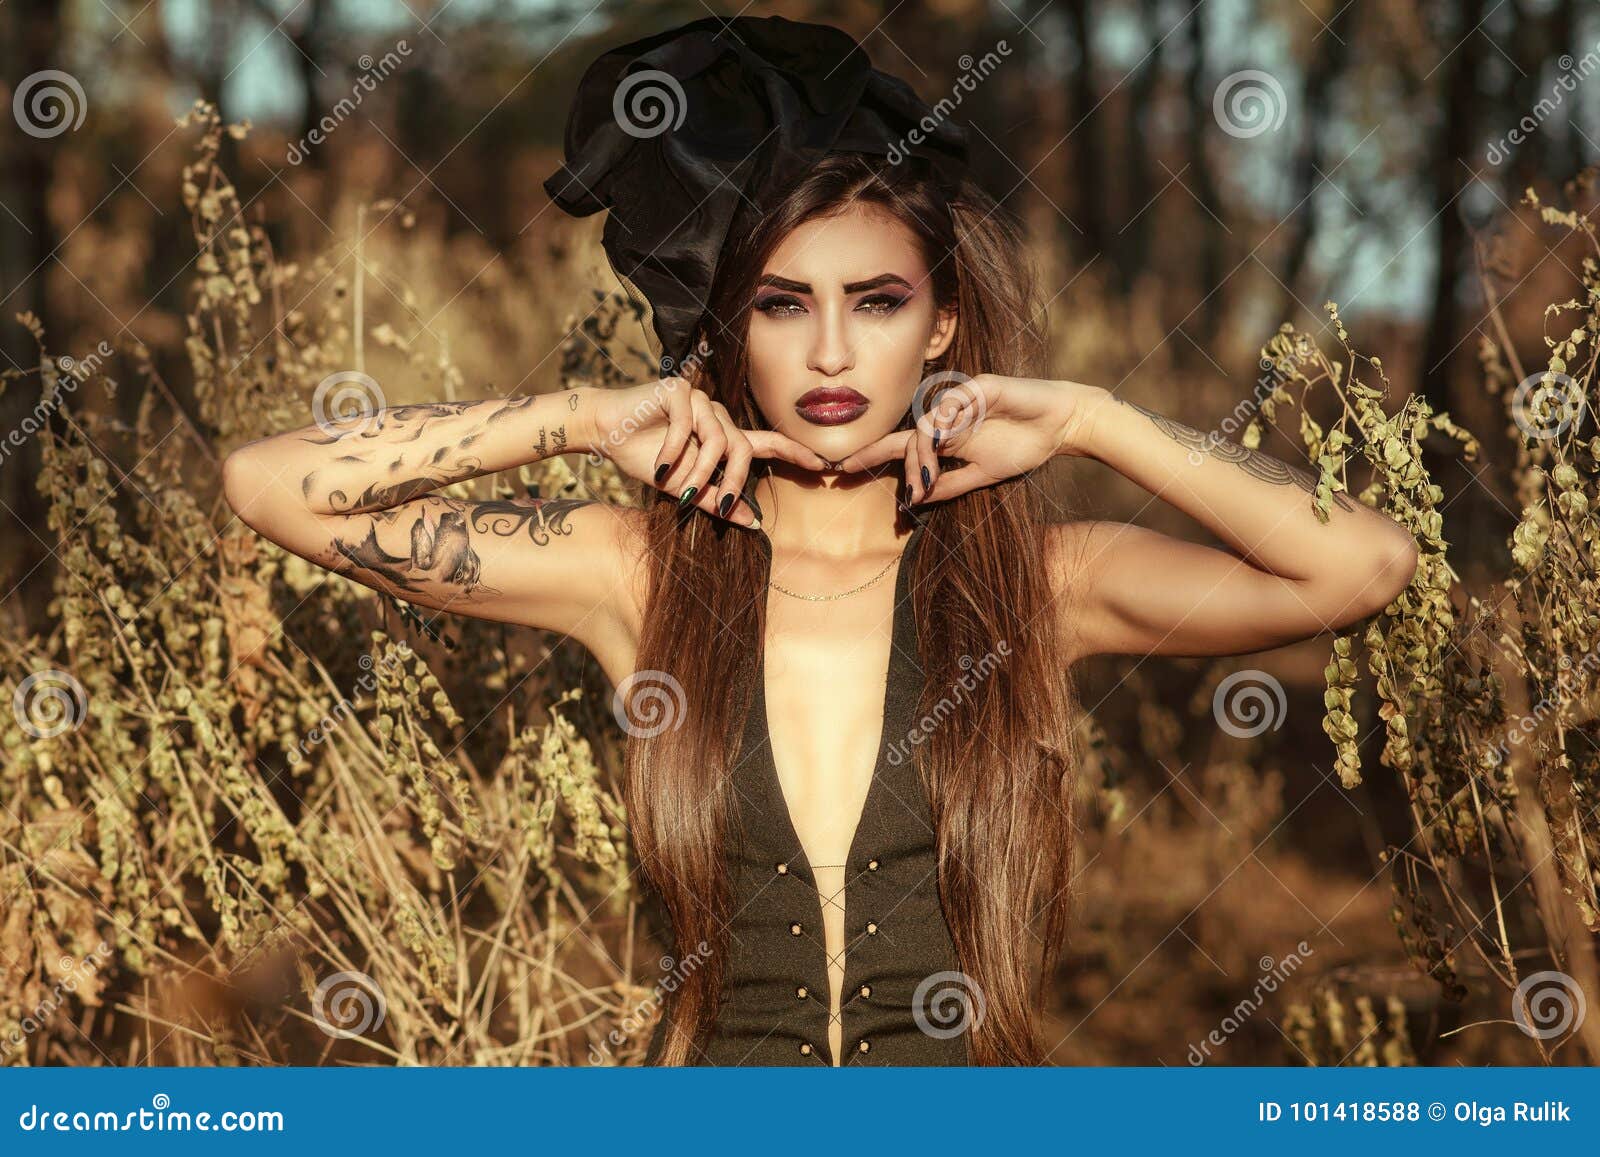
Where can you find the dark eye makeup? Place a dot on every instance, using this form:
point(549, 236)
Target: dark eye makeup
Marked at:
point(787, 305)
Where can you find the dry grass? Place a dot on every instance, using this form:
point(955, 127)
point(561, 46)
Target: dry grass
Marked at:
point(278, 777)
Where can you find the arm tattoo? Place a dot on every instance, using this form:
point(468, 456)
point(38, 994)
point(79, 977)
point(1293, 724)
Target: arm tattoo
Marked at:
point(1252, 462)
point(446, 464)
point(441, 555)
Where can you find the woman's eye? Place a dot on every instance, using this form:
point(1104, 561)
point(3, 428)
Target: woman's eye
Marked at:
point(779, 306)
point(881, 303)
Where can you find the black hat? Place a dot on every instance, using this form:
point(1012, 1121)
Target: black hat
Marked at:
point(692, 134)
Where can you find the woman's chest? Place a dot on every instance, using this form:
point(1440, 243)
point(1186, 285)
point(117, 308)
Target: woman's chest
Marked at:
point(825, 683)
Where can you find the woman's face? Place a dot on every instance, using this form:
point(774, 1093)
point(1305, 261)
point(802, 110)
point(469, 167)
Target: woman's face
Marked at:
point(844, 319)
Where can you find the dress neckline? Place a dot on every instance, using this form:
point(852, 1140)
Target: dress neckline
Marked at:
point(901, 665)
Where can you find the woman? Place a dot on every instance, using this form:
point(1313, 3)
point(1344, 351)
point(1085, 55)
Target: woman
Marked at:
point(848, 577)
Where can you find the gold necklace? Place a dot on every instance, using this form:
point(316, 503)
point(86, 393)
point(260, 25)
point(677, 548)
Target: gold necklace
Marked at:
point(842, 594)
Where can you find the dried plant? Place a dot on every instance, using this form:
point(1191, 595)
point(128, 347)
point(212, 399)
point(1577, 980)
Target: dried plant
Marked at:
point(238, 788)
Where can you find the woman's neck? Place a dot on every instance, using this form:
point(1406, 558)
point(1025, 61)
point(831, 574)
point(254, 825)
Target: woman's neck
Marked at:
point(841, 516)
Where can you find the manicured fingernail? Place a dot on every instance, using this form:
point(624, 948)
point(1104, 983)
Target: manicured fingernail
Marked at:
point(726, 504)
point(750, 500)
point(927, 479)
point(936, 434)
point(661, 471)
point(687, 494)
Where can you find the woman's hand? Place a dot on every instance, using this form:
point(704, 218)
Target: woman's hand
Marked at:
point(998, 426)
point(673, 435)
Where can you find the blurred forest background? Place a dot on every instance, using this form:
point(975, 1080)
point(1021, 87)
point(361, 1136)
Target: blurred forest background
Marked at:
point(252, 814)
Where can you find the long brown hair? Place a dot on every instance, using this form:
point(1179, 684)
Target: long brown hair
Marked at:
point(999, 771)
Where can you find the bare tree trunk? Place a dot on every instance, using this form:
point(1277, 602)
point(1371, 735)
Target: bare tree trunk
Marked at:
point(1207, 220)
point(1310, 163)
point(1450, 171)
point(1133, 252)
point(1084, 126)
point(31, 42)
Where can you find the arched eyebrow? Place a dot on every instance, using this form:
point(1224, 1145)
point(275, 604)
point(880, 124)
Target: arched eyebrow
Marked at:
point(882, 279)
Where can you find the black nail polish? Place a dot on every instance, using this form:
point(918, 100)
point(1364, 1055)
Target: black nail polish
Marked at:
point(725, 505)
point(687, 495)
point(755, 506)
point(936, 434)
point(661, 471)
point(927, 479)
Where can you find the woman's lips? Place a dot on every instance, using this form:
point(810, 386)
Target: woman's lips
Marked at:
point(832, 406)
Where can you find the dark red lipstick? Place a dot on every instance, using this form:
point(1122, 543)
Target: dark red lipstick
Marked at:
point(831, 405)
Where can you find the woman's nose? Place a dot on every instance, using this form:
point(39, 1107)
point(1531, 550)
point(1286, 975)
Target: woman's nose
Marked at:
point(831, 352)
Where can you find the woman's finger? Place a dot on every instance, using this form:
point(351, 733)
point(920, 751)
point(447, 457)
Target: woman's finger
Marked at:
point(953, 483)
point(885, 449)
point(734, 471)
point(680, 424)
point(771, 444)
point(713, 445)
point(925, 457)
point(910, 464)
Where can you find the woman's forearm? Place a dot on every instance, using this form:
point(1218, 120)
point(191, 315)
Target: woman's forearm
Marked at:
point(1258, 504)
point(404, 452)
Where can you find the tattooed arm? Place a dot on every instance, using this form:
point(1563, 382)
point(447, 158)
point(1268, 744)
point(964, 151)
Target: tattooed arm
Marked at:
point(357, 497)
point(1290, 574)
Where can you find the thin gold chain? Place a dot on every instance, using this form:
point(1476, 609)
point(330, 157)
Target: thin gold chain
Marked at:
point(841, 594)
